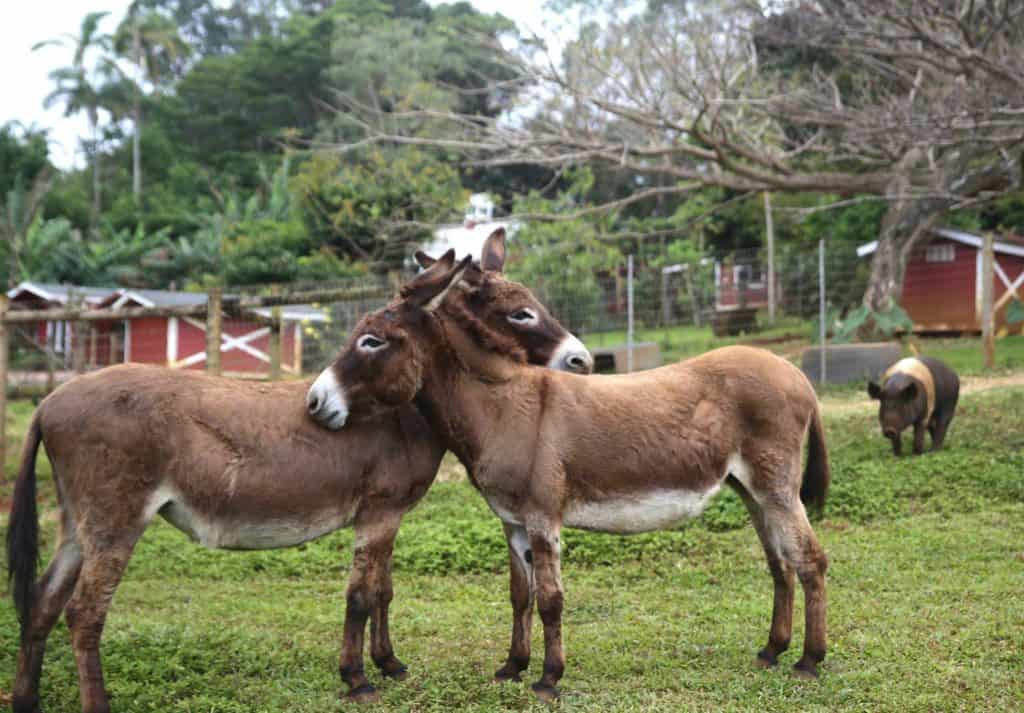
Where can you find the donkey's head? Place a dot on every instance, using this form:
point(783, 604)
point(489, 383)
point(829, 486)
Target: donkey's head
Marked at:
point(382, 364)
point(508, 308)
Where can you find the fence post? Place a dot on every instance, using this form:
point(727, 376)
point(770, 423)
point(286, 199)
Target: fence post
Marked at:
point(213, 330)
point(629, 313)
point(988, 337)
point(274, 338)
point(3, 386)
point(769, 227)
point(821, 307)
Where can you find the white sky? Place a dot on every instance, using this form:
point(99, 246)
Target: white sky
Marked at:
point(25, 72)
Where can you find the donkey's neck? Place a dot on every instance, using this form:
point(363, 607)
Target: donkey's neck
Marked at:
point(465, 390)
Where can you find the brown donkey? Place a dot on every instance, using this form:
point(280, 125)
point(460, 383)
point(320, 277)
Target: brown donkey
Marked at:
point(235, 465)
point(618, 454)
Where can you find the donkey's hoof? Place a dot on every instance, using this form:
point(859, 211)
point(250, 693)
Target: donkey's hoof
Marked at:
point(391, 667)
point(507, 673)
point(364, 694)
point(25, 705)
point(806, 670)
point(766, 659)
point(398, 674)
point(546, 693)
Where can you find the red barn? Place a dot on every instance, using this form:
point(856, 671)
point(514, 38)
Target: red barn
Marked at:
point(742, 284)
point(177, 342)
point(942, 286)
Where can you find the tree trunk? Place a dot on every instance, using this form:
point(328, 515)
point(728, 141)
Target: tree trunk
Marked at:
point(137, 119)
point(137, 152)
point(97, 198)
point(909, 220)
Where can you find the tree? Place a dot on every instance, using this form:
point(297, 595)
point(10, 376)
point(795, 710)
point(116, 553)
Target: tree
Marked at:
point(152, 44)
point(78, 92)
point(917, 104)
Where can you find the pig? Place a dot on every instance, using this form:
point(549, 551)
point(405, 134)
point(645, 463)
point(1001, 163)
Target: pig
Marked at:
point(918, 391)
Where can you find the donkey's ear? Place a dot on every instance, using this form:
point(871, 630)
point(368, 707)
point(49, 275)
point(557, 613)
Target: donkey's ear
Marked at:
point(874, 390)
point(428, 289)
point(424, 260)
point(492, 256)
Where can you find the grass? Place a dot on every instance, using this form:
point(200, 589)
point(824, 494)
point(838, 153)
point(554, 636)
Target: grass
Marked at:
point(924, 601)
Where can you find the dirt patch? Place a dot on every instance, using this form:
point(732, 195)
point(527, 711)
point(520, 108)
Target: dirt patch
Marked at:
point(853, 403)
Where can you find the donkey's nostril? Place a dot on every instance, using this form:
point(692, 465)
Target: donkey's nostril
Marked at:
point(580, 363)
point(313, 403)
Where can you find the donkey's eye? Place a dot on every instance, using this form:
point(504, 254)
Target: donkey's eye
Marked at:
point(523, 316)
point(370, 343)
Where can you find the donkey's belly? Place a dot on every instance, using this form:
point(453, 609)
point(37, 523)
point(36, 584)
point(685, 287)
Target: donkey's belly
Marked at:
point(638, 512)
point(254, 531)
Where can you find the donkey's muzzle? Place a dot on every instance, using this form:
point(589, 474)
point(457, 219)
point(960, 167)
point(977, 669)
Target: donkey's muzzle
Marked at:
point(571, 355)
point(325, 401)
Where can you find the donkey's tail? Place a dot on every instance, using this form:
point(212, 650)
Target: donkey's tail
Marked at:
point(817, 473)
point(23, 528)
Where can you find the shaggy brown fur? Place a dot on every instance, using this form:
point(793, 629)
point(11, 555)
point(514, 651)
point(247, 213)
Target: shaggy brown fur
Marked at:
point(613, 453)
point(235, 465)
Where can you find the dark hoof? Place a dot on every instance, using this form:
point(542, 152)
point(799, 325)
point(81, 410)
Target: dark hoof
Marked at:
point(766, 659)
point(394, 669)
point(364, 694)
point(30, 705)
point(806, 670)
point(506, 673)
point(546, 693)
point(399, 674)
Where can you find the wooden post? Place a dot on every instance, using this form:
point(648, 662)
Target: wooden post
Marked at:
point(51, 359)
point(78, 347)
point(297, 345)
point(3, 387)
point(693, 293)
point(988, 277)
point(94, 336)
point(769, 228)
point(213, 330)
point(274, 339)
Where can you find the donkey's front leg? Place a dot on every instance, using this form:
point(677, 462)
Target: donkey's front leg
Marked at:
point(521, 587)
point(545, 544)
point(375, 536)
point(381, 650)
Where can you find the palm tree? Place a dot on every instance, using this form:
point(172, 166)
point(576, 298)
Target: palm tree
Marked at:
point(152, 43)
point(76, 90)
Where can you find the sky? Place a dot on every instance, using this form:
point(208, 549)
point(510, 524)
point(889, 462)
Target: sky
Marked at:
point(26, 82)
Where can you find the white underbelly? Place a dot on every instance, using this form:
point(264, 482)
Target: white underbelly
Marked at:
point(253, 533)
point(640, 512)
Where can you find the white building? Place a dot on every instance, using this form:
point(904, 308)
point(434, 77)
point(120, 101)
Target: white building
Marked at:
point(468, 236)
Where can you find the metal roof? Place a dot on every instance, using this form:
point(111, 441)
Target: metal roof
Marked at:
point(1011, 246)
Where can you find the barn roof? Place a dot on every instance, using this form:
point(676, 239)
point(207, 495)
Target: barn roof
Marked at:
point(52, 292)
point(169, 298)
point(119, 296)
point(1008, 244)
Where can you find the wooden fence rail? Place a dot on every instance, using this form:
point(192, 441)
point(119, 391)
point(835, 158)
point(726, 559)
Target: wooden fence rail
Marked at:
point(239, 306)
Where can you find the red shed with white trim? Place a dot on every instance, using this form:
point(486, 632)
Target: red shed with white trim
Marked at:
point(942, 286)
point(177, 342)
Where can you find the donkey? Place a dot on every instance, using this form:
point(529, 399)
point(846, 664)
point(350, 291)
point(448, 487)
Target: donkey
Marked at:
point(620, 454)
point(235, 465)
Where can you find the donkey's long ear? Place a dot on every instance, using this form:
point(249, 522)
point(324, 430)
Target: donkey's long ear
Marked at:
point(429, 288)
point(424, 260)
point(492, 256)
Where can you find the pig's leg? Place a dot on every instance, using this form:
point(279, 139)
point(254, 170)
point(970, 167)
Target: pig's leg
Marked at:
point(919, 429)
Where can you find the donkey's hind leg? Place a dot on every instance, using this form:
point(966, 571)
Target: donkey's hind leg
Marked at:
point(105, 556)
point(522, 590)
point(786, 523)
point(782, 574)
point(53, 590)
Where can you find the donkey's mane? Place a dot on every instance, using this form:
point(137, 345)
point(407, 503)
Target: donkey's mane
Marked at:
point(482, 335)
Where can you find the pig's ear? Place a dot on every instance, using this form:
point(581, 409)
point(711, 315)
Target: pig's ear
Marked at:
point(909, 392)
point(874, 390)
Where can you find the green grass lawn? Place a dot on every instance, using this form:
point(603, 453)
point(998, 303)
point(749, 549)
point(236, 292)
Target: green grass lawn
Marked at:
point(925, 605)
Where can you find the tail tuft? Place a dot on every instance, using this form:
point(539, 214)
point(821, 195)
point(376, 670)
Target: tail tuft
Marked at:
point(817, 473)
point(23, 529)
